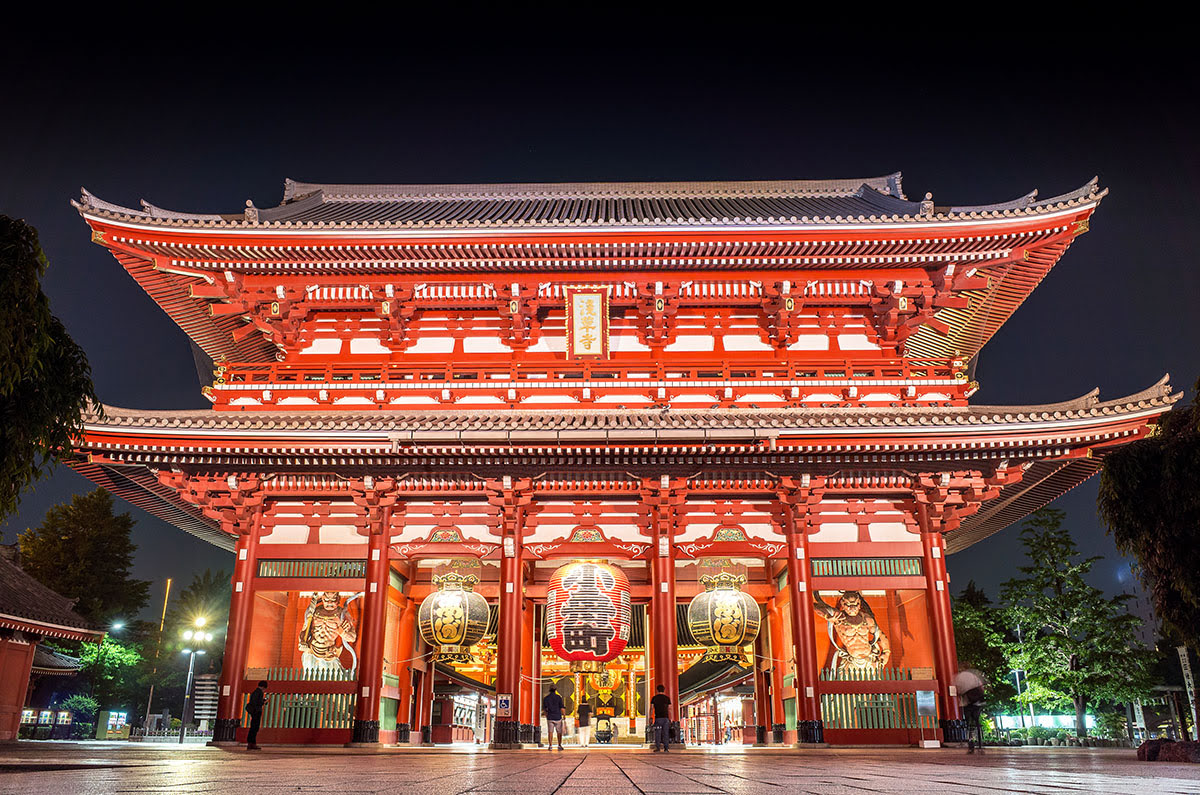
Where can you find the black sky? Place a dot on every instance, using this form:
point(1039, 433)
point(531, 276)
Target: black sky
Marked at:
point(192, 120)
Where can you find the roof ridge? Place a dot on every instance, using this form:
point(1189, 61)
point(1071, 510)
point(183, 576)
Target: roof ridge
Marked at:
point(885, 185)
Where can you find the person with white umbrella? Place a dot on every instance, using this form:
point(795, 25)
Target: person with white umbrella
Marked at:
point(971, 685)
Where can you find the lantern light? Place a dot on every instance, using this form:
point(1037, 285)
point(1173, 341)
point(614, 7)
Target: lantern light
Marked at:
point(724, 618)
point(454, 617)
point(588, 614)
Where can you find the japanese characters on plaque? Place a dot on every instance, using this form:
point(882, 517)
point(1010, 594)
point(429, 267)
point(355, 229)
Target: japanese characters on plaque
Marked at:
point(587, 322)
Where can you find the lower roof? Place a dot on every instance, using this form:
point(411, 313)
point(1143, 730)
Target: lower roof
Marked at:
point(125, 447)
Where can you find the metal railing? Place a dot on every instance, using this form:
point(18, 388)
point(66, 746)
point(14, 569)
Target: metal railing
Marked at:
point(316, 569)
point(866, 567)
point(873, 674)
point(302, 674)
point(873, 711)
point(305, 711)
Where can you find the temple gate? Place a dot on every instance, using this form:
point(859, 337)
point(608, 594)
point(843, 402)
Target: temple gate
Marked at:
point(747, 387)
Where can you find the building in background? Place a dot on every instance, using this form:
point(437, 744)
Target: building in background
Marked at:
point(29, 614)
point(761, 383)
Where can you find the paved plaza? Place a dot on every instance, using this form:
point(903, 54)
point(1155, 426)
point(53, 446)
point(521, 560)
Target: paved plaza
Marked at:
point(123, 767)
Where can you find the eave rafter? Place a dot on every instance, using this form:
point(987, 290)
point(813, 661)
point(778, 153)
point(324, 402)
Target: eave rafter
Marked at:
point(947, 312)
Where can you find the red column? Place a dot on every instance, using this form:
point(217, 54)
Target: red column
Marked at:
point(662, 620)
point(535, 683)
point(408, 622)
point(779, 657)
point(508, 640)
point(526, 699)
point(237, 635)
point(762, 692)
point(808, 704)
point(374, 626)
point(425, 698)
point(937, 592)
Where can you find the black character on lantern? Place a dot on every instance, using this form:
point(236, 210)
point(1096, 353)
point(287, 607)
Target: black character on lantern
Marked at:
point(588, 612)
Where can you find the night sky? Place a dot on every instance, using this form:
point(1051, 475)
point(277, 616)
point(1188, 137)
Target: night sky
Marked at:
point(203, 124)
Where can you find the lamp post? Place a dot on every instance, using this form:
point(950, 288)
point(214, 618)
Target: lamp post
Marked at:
point(196, 636)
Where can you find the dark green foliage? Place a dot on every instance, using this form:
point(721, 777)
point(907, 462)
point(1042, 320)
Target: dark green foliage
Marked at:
point(84, 551)
point(979, 635)
point(1150, 502)
point(81, 707)
point(1077, 642)
point(110, 669)
point(45, 380)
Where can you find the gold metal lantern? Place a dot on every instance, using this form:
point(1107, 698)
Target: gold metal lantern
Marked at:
point(724, 618)
point(454, 617)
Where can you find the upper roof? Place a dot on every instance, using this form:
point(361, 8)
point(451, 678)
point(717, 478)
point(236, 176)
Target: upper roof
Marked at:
point(774, 203)
point(27, 604)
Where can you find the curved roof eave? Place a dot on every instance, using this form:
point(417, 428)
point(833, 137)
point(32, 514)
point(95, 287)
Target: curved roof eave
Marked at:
point(255, 221)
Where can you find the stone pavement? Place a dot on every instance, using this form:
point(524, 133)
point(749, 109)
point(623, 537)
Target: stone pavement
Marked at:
point(96, 767)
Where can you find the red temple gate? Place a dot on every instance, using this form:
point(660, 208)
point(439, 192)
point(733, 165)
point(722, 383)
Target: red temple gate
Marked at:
point(770, 377)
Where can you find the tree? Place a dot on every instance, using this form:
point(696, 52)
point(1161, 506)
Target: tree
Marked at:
point(45, 380)
point(84, 551)
point(1076, 641)
point(979, 635)
point(1150, 503)
point(109, 671)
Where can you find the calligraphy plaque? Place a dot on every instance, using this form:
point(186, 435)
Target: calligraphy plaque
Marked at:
point(587, 322)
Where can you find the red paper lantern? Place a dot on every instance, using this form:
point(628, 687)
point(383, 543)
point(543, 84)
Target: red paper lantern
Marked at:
point(588, 614)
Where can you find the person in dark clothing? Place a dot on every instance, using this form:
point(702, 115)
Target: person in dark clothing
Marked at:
point(661, 705)
point(254, 708)
point(583, 722)
point(552, 707)
point(971, 686)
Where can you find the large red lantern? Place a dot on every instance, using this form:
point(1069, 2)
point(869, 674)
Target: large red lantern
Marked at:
point(588, 614)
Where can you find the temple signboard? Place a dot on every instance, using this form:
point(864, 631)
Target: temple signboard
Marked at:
point(587, 322)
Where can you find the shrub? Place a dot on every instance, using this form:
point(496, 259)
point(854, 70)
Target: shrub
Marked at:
point(1111, 726)
point(81, 707)
point(1038, 733)
point(83, 731)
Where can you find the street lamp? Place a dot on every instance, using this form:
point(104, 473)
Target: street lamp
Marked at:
point(196, 637)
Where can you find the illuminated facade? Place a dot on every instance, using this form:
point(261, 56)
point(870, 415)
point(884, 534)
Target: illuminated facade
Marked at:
point(758, 380)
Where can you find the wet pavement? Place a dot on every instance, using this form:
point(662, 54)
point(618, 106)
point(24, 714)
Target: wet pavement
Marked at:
point(98, 767)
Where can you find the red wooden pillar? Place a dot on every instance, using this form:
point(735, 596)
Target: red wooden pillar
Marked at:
point(779, 657)
point(374, 627)
point(425, 700)
point(237, 635)
point(526, 699)
point(808, 705)
point(508, 642)
point(408, 622)
point(762, 689)
point(535, 684)
point(937, 592)
point(664, 632)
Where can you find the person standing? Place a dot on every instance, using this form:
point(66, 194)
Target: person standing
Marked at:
point(254, 708)
point(971, 686)
point(661, 706)
point(583, 721)
point(552, 708)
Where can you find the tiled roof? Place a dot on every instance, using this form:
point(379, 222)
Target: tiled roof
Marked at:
point(47, 662)
point(604, 204)
point(418, 425)
point(24, 598)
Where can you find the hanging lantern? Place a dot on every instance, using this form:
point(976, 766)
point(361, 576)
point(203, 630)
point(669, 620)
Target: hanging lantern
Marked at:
point(454, 617)
point(723, 618)
point(588, 614)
